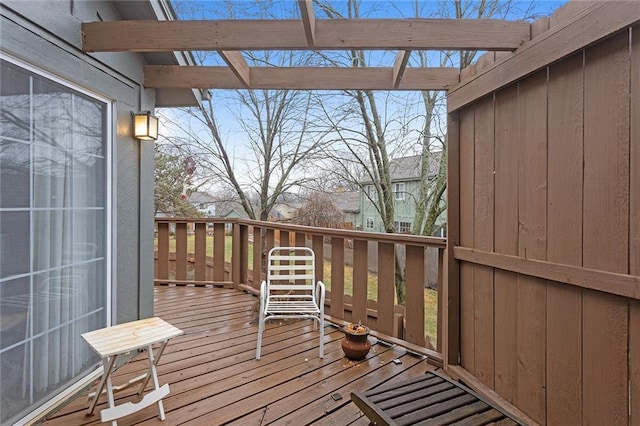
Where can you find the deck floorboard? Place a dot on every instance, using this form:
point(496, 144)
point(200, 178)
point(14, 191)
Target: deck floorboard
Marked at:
point(214, 377)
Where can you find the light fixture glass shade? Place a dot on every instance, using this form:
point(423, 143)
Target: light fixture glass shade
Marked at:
point(145, 126)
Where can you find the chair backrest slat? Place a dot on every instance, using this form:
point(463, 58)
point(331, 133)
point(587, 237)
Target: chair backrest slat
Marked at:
point(291, 269)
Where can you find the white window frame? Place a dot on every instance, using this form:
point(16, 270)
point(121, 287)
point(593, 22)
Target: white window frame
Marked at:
point(369, 223)
point(399, 191)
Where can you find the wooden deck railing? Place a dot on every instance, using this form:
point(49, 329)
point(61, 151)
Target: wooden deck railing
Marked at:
point(358, 267)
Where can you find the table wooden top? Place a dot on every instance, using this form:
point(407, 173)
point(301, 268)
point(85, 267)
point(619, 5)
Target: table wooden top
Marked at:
point(126, 337)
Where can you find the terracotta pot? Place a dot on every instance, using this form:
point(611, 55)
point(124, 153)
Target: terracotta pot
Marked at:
point(356, 345)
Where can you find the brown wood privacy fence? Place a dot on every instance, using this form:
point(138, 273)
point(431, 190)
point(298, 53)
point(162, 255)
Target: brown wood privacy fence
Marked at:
point(207, 259)
point(544, 221)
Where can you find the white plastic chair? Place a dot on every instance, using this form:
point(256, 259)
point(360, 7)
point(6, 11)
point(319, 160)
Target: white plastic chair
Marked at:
point(290, 290)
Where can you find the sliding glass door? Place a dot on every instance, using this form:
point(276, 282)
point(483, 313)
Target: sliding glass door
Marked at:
point(54, 234)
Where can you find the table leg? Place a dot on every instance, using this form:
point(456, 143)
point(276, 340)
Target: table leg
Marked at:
point(107, 366)
point(157, 360)
point(112, 402)
point(154, 374)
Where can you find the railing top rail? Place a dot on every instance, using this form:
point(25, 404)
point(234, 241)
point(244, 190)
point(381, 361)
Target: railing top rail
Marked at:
point(332, 232)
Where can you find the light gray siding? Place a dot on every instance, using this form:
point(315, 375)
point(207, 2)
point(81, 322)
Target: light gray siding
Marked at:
point(47, 35)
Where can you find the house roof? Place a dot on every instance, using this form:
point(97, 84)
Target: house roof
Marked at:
point(408, 168)
point(347, 201)
point(228, 208)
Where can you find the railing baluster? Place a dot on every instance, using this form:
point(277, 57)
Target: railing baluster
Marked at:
point(318, 248)
point(414, 277)
point(200, 255)
point(256, 273)
point(181, 251)
point(163, 250)
point(386, 287)
point(360, 275)
point(218, 251)
point(337, 278)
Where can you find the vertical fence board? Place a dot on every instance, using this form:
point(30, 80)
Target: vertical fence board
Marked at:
point(181, 251)
point(163, 250)
point(301, 239)
point(414, 277)
point(201, 251)
point(337, 277)
point(634, 221)
point(218, 251)
point(467, 313)
point(564, 241)
point(483, 230)
point(634, 358)
point(441, 298)
point(606, 218)
point(360, 269)
point(386, 287)
point(451, 292)
point(532, 244)
point(506, 238)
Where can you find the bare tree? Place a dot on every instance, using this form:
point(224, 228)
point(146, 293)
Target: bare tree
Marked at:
point(261, 144)
point(319, 210)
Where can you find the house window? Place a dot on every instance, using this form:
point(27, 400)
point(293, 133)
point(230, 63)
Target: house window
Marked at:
point(369, 223)
point(371, 191)
point(403, 227)
point(398, 191)
point(53, 235)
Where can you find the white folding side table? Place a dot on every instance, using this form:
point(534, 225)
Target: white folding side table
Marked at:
point(120, 339)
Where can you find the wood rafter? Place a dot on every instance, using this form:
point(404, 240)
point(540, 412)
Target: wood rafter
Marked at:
point(237, 64)
point(304, 78)
point(400, 65)
point(339, 34)
point(308, 21)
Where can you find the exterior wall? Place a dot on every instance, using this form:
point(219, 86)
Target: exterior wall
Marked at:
point(47, 35)
point(405, 210)
point(547, 244)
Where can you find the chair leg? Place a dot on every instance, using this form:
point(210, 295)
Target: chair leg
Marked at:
point(321, 335)
point(260, 331)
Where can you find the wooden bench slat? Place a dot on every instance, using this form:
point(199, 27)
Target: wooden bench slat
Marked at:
point(415, 395)
point(461, 414)
point(435, 410)
point(433, 399)
point(393, 392)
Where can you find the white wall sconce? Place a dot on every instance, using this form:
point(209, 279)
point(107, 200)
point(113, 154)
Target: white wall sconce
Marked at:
point(145, 126)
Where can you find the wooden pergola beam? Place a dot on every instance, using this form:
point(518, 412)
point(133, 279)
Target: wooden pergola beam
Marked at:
point(339, 34)
point(400, 65)
point(302, 78)
point(237, 64)
point(308, 21)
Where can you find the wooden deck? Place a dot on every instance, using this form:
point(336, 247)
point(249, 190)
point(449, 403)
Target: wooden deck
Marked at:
point(215, 379)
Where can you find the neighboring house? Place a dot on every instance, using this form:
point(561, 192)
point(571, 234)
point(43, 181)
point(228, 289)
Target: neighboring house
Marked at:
point(283, 212)
point(204, 202)
point(76, 194)
point(405, 181)
point(349, 203)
